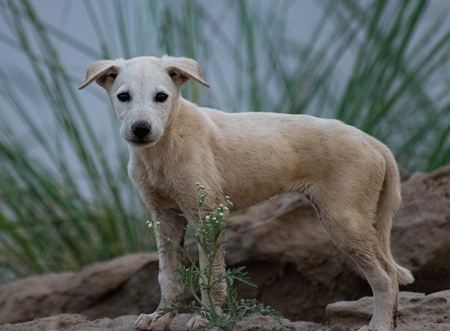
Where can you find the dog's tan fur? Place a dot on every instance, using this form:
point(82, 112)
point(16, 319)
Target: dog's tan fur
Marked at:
point(350, 178)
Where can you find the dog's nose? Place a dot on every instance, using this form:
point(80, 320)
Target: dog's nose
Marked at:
point(141, 129)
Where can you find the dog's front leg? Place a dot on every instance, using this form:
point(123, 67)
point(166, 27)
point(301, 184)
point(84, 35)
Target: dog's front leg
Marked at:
point(213, 296)
point(213, 292)
point(169, 229)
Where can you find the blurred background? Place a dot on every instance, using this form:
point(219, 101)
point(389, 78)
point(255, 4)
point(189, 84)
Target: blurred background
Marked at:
point(65, 198)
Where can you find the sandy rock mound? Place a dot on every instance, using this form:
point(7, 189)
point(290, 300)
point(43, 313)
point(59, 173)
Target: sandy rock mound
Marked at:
point(288, 254)
point(73, 322)
point(421, 232)
point(417, 312)
point(292, 259)
point(126, 285)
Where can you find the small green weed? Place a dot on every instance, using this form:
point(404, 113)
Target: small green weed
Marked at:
point(209, 236)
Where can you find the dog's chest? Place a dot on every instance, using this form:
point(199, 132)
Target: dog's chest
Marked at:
point(155, 182)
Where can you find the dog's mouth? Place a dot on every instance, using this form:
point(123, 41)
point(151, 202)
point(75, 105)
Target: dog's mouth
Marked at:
point(140, 142)
point(140, 139)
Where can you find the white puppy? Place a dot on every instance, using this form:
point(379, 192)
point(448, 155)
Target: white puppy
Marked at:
point(350, 178)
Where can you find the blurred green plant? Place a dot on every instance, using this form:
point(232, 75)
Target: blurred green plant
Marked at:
point(65, 199)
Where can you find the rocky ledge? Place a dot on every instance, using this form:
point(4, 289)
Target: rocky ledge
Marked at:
point(417, 312)
point(289, 256)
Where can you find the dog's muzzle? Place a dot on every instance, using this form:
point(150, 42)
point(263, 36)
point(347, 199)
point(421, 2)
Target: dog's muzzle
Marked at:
point(141, 133)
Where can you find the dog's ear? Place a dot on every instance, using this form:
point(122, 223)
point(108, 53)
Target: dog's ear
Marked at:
point(103, 72)
point(181, 69)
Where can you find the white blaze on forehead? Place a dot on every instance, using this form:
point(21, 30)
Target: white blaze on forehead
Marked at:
point(145, 83)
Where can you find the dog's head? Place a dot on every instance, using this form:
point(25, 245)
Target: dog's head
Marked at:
point(144, 92)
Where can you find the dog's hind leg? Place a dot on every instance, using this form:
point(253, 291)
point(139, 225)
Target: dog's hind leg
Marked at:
point(355, 235)
point(170, 230)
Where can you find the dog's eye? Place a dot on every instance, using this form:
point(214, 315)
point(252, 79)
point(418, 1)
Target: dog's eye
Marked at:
point(161, 97)
point(124, 96)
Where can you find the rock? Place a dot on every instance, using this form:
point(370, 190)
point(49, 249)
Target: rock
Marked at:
point(126, 285)
point(417, 312)
point(75, 322)
point(288, 254)
point(421, 232)
point(292, 259)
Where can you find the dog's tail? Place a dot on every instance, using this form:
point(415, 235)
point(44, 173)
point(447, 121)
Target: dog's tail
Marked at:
point(390, 200)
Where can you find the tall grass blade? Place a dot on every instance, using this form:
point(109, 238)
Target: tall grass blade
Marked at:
point(65, 198)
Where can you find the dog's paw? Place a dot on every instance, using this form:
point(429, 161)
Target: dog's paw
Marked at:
point(148, 322)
